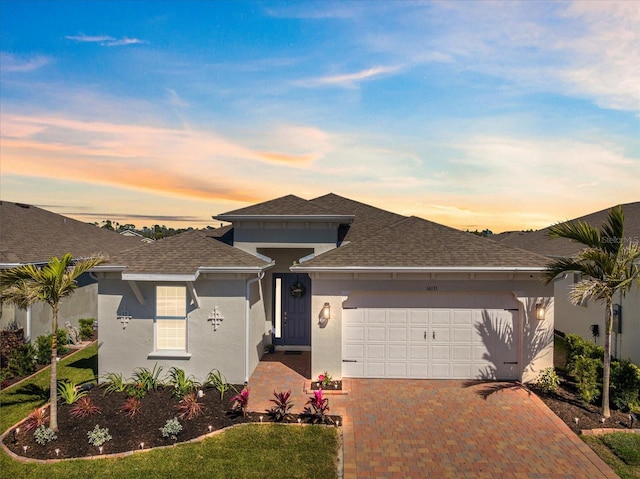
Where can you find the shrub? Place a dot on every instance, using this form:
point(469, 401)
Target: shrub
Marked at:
point(22, 361)
point(325, 380)
point(86, 328)
point(37, 418)
point(548, 381)
point(625, 385)
point(189, 407)
point(136, 390)
point(216, 379)
point(63, 342)
point(69, 392)
point(5, 376)
point(240, 401)
point(182, 384)
point(131, 406)
point(317, 407)
point(585, 372)
point(114, 383)
point(43, 349)
point(149, 379)
point(282, 406)
point(580, 347)
point(84, 408)
point(43, 435)
point(171, 429)
point(98, 436)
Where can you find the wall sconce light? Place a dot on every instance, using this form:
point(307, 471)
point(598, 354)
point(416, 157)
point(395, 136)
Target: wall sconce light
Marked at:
point(326, 311)
point(539, 312)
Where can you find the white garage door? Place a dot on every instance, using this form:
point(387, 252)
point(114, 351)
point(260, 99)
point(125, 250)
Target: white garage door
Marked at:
point(432, 343)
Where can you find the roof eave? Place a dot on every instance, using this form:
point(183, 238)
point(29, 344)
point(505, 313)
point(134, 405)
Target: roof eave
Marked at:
point(418, 269)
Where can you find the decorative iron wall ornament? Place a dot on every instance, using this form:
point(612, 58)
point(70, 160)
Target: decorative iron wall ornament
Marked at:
point(298, 289)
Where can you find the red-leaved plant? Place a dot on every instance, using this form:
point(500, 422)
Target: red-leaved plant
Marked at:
point(240, 401)
point(317, 407)
point(189, 407)
point(38, 417)
point(131, 406)
point(84, 407)
point(282, 406)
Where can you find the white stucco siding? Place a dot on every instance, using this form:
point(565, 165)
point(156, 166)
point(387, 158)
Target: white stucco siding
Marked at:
point(534, 338)
point(578, 319)
point(122, 349)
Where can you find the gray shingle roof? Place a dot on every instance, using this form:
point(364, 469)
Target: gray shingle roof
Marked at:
point(285, 205)
point(418, 243)
point(539, 241)
point(29, 234)
point(185, 253)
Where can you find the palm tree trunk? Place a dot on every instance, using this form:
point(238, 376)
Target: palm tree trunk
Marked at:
point(53, 395)
point(606, 374)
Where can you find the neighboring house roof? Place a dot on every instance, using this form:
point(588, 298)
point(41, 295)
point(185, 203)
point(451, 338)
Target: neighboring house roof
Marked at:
point(368, 219)
point(415, 244)
point(188, 253)
point(539, 241)
point(29, 234)
point(289, 207)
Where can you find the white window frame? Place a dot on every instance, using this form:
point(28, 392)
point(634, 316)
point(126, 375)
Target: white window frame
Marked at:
point(180, 314)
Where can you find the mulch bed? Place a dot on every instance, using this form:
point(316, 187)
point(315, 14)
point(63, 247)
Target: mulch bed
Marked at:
point(334, 386)
point(127, 433)
point(566, 404)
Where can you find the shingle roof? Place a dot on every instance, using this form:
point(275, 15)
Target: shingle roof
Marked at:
point(29, 234)
point(368, 219)
point(539, 241)
point(418, 243)
point(285, 205)
point(185, 253)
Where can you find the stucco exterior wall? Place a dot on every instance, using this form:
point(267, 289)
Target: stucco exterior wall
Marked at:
point(578, 319)
point(536, 336)
point(83, 303)
point(123, 348)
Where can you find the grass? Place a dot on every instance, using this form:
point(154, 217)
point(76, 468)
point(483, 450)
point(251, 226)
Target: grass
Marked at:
point(625, 446)
point(251, 451)
point(17, 401)
point(624, 470)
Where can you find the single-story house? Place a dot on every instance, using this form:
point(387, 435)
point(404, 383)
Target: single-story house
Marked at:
point(32, 235)
point(369, 292)
point(587, 319)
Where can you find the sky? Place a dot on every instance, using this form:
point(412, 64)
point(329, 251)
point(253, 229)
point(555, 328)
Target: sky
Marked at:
point(499, 115)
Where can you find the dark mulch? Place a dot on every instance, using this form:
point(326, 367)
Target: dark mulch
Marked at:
point(157, 407)
point(334, 386)
point(566, 404)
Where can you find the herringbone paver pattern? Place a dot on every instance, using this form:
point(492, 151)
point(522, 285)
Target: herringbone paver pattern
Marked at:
point(443, 429)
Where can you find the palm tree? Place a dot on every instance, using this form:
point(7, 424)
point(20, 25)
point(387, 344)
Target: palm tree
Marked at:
point(608, 265)
point(27, 284)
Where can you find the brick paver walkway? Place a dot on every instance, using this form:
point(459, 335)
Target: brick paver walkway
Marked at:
point(442, 429)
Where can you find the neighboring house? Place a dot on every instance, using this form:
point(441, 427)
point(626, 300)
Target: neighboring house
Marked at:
point(142, 238)
point(369, 292)
point(588, 318)
point(31, 235)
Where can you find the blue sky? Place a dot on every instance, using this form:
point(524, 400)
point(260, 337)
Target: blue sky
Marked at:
point(500, 115)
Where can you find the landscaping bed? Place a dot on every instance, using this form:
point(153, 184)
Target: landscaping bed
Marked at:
point(128, 433)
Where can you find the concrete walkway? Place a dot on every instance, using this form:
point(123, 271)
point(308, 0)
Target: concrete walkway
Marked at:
point(442, 429)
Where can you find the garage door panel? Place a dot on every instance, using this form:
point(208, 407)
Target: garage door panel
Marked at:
point(437, 343)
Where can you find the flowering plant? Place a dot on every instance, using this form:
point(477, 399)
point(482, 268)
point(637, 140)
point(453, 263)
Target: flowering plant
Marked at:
point(239, 402)
point(317, 407)
point(325, 380)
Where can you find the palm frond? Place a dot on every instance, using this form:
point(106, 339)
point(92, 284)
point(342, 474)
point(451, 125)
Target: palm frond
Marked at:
point(578, 232)
point(612, 232)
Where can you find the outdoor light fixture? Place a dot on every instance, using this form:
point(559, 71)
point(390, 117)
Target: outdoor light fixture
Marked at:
point(326, 311)
point(539, 312)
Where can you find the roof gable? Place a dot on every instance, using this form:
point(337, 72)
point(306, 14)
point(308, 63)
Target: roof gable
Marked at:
point(289, 205)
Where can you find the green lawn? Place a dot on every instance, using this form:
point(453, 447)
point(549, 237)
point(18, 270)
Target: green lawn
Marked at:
point(610, 446)
point(253, 451)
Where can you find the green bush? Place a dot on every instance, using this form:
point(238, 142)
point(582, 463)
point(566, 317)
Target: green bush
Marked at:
point(63, 342)
point(587, 371)
point(548, 381)
point(22, 361)
point(43, 347)
point(625, 385)
point(86, 328)
point(580, 347)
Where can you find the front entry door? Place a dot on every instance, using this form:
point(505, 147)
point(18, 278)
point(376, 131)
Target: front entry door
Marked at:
point(295, 311)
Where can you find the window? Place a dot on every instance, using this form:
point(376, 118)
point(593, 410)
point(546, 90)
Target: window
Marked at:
point(171, 318)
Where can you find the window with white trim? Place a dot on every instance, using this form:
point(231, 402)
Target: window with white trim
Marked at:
point(171, 318)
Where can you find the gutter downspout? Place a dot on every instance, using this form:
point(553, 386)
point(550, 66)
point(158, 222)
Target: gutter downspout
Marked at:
point(28, 338)
point(246, 324)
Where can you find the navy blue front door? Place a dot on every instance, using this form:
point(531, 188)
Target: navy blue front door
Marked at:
point(296, 310)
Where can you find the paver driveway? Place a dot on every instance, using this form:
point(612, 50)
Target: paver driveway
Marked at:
point(442, 429)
